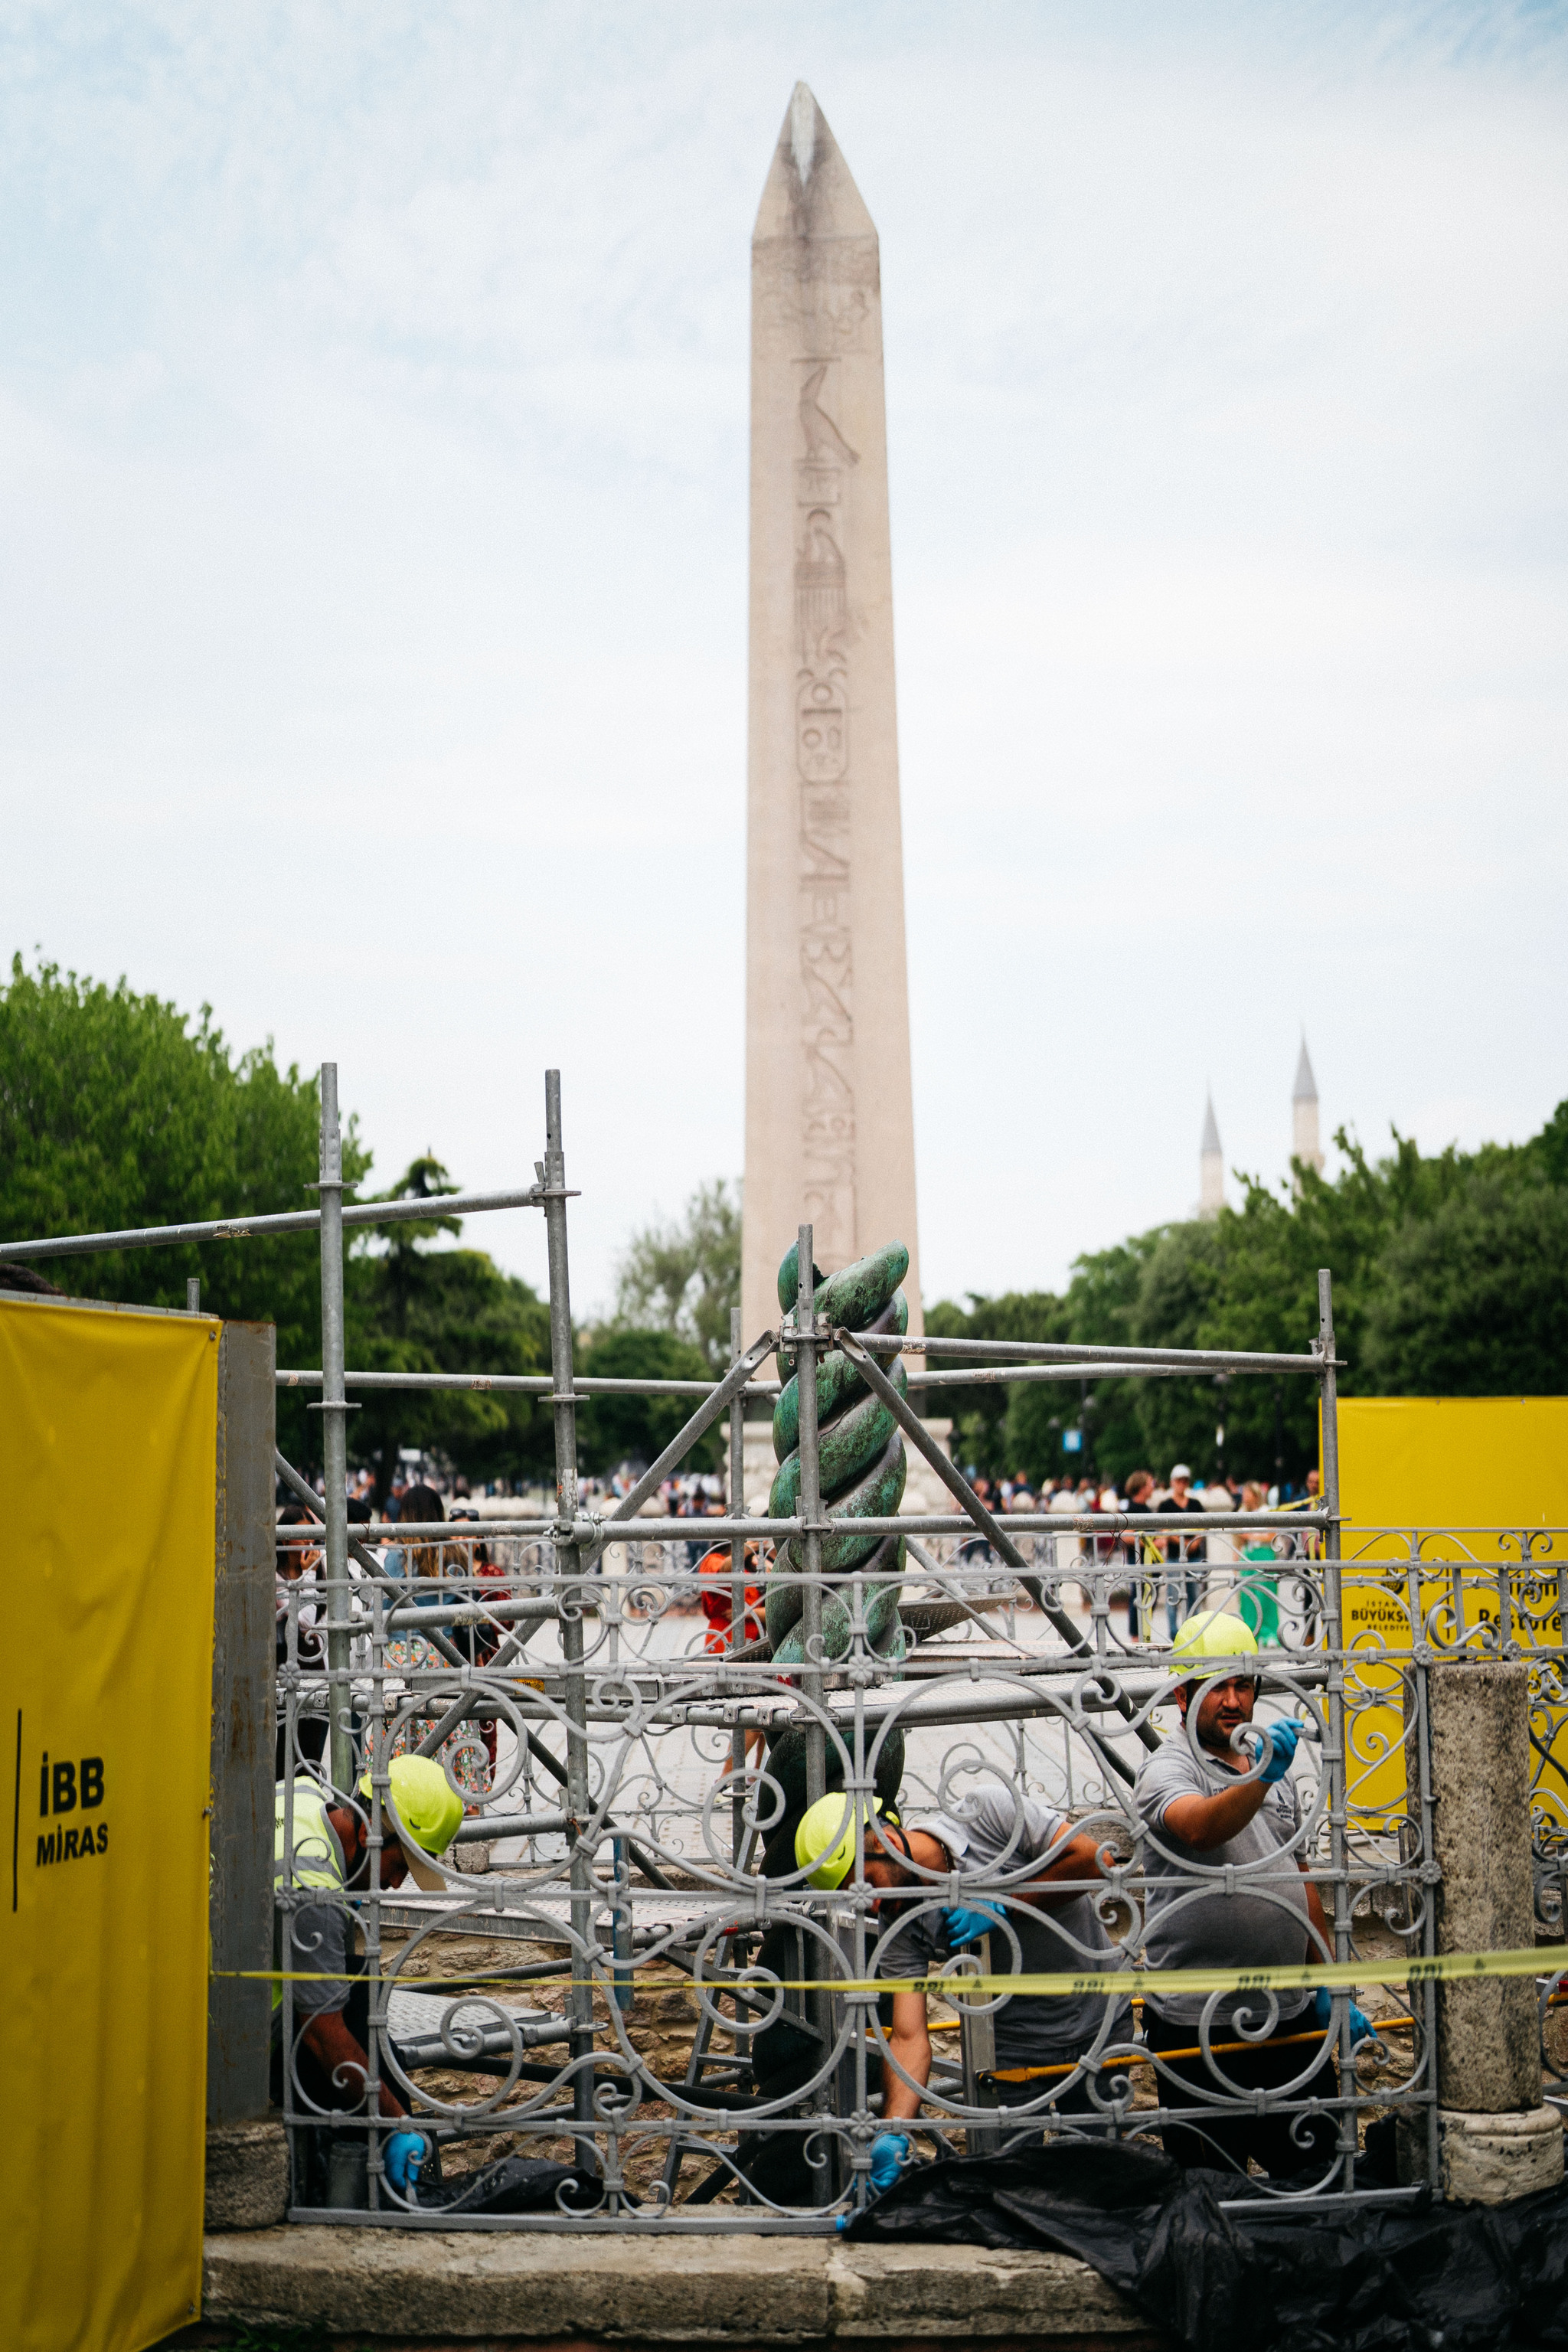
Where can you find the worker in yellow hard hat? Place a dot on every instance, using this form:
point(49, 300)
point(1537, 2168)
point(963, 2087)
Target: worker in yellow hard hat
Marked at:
point(825, 1839)
point(1036, 1879)
point(787, 2052)
point(1226, 1864)
point(320, 1851)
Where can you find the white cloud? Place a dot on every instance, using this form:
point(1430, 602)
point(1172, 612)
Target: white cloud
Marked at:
point(372, 411)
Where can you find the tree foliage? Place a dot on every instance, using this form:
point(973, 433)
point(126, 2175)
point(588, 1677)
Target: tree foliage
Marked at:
point(116, 1112)
point(978, 1414)
point(1450, 1278)
point(414, 1308)
point(1450, 1271)
point(685, 1277)
point(636, 1429)
point(1474, 1300)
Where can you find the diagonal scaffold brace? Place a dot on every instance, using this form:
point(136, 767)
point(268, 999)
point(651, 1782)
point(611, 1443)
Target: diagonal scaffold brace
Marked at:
point(958, 1486)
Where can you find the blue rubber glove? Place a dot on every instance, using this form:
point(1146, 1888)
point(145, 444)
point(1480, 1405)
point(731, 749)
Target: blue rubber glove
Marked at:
point(965, 1924)
point(1280, 1740)
point(890, 2151)
point(404, 2153)
point(1362, 2027)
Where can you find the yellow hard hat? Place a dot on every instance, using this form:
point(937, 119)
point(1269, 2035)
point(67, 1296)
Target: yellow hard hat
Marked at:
point(429, 1809)
point(1213, 1635)
point(826, 1836)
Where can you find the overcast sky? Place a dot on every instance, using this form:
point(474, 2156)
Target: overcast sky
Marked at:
point(372, 492)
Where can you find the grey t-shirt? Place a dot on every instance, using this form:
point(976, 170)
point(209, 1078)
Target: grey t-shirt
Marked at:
point(318, 1947)
point(1261, 1923)
point(1032, 2029)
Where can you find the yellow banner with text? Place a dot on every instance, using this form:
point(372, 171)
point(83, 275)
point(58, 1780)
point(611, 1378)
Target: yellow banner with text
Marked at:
point(1492, 1474)
point(107, 1537)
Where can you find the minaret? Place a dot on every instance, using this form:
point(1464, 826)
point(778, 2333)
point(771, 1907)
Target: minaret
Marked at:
point(1211, 1166)
point(1304, 1115)
point(830, 1110)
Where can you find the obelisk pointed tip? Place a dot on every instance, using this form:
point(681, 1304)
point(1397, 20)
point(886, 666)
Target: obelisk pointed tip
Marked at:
point(809, 190)
point(802, 118)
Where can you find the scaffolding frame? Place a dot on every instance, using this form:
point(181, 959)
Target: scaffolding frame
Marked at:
point(679, 1896)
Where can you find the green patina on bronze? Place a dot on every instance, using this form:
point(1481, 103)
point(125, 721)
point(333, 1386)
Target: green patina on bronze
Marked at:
point(863, 1467)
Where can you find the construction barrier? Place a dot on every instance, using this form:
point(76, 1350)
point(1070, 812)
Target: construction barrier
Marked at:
point(110, 1419)
point(1492, 1474)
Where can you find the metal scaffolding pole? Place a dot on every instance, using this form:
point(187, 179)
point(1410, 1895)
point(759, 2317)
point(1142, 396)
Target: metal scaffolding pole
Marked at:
point(629, 1677)
point(334, 1437)
point(737, 1627)
point(1083, 1355)
point(1334, 1646)
point(811, 1515)
point(569, 1569)
point(959, 1487)
point(243, 1229)
point(591, 1531)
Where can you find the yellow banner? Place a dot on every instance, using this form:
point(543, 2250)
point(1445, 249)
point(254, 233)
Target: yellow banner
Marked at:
point(1476, 1464)
point(107, 1538)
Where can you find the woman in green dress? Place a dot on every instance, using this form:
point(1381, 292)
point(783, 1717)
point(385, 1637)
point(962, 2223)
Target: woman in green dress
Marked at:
point(1257, 1602)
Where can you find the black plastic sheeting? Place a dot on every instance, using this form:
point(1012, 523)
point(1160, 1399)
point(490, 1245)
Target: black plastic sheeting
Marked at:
point(1426, 2278)
point(515, 2184)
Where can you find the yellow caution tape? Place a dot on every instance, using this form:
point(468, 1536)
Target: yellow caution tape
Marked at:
point(1113, 1984)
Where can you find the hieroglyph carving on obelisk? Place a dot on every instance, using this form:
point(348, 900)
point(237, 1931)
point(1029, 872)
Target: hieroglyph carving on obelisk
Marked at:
point(829, 1112)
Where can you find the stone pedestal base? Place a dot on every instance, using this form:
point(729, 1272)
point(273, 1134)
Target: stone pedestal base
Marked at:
point(393, 2287)
point(1485, 2159)
point(247, 2177)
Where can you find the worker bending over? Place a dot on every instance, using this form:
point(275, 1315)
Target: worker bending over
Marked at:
point(313, 1941)
point(1047, 1875)
point(1227, 1887)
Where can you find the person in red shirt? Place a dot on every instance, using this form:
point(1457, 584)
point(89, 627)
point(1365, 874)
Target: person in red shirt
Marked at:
point(717, 1600)
point(718, 1608)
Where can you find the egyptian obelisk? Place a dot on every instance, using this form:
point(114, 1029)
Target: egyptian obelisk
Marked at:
point(830, 1110)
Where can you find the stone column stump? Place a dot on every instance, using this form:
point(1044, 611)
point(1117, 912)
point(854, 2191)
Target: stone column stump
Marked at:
point(1496, 2138)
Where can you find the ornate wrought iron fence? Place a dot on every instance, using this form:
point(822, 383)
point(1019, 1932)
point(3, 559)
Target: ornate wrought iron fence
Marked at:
point(632, 1768)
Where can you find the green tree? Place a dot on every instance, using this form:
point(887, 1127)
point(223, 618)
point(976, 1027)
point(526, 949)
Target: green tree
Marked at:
point(1018, 1426)
point(1433, 1257)
point(1450, 1275)
point(685, 1277)
point(116, 1112)
point(1177, 1419)
point(1548, 1152)
point(979, 1414)
point(403, 1275)
point(616, 1429)
point(1473, 1300)
point(415, 1309)
point(1100, 1309)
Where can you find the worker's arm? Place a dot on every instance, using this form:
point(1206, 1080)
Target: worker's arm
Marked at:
point(1203, 1823)
point(909, 2045)
point(1075, 1862)
point(329, 2043)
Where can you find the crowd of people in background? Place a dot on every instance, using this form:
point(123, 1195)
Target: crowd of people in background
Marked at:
point(427, 1566)
point(1170, 1574)
point(1139, 1489)
point(1210, 1595)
